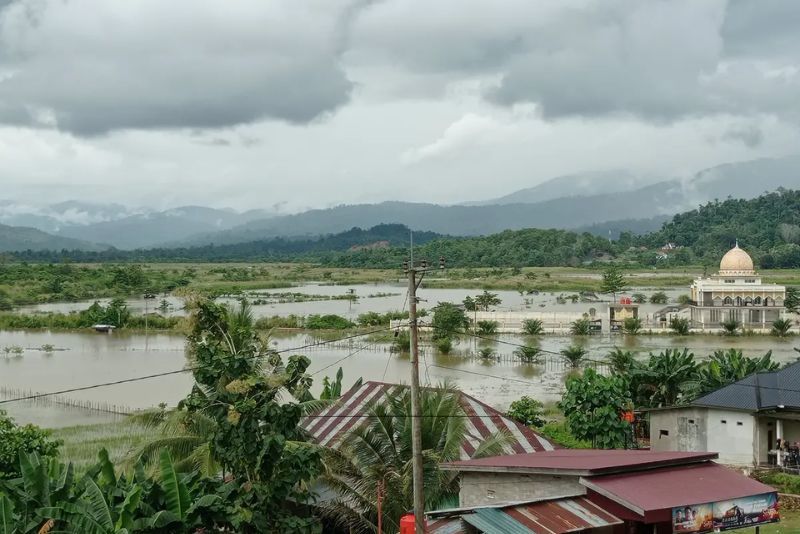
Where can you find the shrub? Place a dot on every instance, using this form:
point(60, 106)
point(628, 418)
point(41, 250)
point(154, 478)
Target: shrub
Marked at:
point(327, 322)
point(277, 321)
point(631, 325)
point(487, 328)
point(639, 298)
point(684, 300)
point(574, 354)
point(622, 362)
point(15, 439)
point(486, 353)
point(401, 341)
point(533, 327)
point(561, 434)
point(527, 411)
point(444, 344)
point(679, 325)
point(448, 319)
point(659, 297)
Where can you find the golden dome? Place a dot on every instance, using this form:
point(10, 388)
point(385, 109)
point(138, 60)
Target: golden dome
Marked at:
point(736, 261)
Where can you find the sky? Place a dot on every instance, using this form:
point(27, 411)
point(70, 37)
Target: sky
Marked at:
point(292, 104)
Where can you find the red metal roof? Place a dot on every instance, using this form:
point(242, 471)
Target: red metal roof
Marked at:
point(330, 426)
point(581, 461)
point(646, 492)
point(555, 516)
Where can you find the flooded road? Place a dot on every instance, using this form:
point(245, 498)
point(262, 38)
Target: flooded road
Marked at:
point(82, 359)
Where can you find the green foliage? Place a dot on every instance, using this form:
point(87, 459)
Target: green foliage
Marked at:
point(613, 281)
point(533, 327)
point(580, 327)
point(15, 439)
point(487, 353)
point(593, 405)
point(792, 300)
point(381, 451)
point(444, 345)
point(561, 434)
point(622, 362)
point(486, 300)
point(401, 342)
point(781, 327)
point(487, 328)
point(528, 353)
point(784, 482)
point(327, 322)
point(639, 298)
point(238, 385)
point(332, 389)
point(727, 367)
point(659, 297)
point(574, 355)
point(380, 319)
point(448, 320)
point(528, 411)
point(684, 300)
point(679, 325)
point(730, 326)
point(631, 325)
point(666, 378)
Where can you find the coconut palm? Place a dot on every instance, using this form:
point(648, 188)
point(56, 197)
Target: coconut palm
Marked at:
point(380, 453)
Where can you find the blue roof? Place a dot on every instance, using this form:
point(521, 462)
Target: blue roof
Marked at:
point(758, 392)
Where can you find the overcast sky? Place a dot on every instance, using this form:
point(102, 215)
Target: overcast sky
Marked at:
point(312, 103)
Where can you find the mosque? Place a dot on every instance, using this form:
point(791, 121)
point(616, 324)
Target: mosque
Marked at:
point(736, 292)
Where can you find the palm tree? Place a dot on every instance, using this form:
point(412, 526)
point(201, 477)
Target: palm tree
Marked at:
point(380, 453)
point(580, 327)
point(622, 362)
point(730, 326)
point(631, 325)
point(528, 354)
point(533, 327)
point(667, 377)
point(574, 355)
point(781, 327)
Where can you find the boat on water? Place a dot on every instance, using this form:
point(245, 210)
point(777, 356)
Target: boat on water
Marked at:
point(104, 328)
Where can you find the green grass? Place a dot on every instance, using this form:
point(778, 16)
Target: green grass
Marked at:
point(789, 524)
point(82, 443)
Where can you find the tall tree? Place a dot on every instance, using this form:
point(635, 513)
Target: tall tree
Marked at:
point(613, 281)
point(593, 405)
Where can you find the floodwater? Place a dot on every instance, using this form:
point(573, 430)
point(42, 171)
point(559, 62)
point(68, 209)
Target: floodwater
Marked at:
point(369, 299)
point(86, 358)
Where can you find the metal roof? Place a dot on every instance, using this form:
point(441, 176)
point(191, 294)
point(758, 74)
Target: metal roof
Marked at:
point(332, 424)
point(645, 492)
point(553, 516)
point(580, 461)
point(760, 391)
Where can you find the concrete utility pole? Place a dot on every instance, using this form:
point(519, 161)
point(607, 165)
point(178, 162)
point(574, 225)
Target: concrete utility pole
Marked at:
point(416, 411)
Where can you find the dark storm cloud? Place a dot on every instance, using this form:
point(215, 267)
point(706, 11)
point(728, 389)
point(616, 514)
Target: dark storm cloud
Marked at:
point(167, 64)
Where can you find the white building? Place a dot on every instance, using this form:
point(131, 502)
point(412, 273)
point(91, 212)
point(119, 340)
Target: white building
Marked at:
point(744, 422)
point(736, 292)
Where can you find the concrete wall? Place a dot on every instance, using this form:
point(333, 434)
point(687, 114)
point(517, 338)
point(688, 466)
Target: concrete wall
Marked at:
point(730, 433)
point(479, 489)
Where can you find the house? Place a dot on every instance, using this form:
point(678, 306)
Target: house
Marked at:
point(744, 422)
point(332, 425)
point(603, 492)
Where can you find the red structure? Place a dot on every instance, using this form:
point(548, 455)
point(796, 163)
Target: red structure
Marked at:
point(407, 524)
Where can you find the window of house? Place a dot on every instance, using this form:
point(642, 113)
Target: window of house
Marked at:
point(749, 281)
point(739, 423)
point(691, 421)
point(663, 433)
point(723, 421)
point(730, 281)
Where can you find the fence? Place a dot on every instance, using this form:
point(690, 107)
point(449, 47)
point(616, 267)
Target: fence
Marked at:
point(44, 399)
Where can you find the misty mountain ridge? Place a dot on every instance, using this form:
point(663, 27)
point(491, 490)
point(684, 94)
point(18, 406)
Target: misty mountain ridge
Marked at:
point(18, 238)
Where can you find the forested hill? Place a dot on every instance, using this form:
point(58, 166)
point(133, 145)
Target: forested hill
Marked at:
point(277, 249)
point(768, 227)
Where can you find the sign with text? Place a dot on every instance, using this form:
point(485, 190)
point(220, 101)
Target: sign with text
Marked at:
point(726, 515)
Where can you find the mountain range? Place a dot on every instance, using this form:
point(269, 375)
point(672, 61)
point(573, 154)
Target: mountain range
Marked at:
point(600, 202)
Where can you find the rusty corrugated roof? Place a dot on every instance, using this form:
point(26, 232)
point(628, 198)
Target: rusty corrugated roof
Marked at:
point(331, 425)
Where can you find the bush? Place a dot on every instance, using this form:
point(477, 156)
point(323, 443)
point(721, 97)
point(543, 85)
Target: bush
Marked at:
point(444, 345)
point(278, 321)
point(487, 328)
point(486, 353)
point(684, 300)
point(15, 439)
point(659, 297)
point(679, 325)
point(527, 411)
point(561, 434)
point(784, 482)
point(592, 404)
point(327, 322)
point(448, 319)
point(632, 325)
point(401, 341)
point(380, 319)
point(574, 355)
point(533, 327)
point(639, 298)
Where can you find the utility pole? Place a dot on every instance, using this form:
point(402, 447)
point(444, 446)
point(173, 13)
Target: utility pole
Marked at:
point(416, 412)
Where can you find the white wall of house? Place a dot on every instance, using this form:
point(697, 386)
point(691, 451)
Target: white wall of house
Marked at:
point(730, 433)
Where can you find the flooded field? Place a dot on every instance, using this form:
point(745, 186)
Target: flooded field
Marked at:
point(82, 359)
point(372, 297)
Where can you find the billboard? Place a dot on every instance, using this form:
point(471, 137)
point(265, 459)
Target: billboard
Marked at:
point(726, 515)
